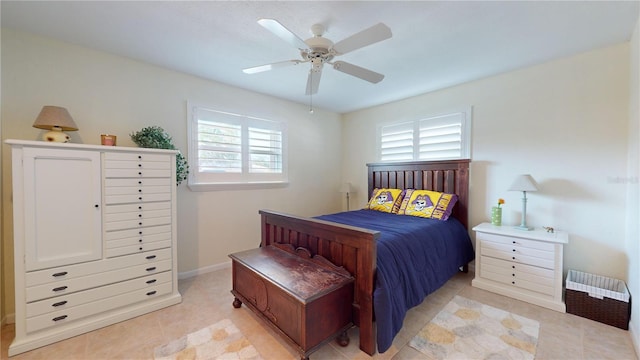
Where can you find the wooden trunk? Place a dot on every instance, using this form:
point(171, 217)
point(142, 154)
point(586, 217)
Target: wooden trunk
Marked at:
point(307, 301)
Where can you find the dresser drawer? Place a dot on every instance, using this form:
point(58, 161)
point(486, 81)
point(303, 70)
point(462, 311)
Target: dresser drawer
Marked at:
point(136, 157)
point(134, 190)
point(65, 302)
point(124, 234)
point(136, 240)
point(40, 292)
point(112, 164)
point(62, 317)
point(137, 173)
point(136, 208)
point(137, 223)
point(56, 276)
point(136, 215)
point(135, 199)
point(132, 249)
point(137, 182)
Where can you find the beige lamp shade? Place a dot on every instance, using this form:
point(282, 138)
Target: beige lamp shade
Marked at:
point(56, 119)
point(524, 183)
point(55, 116)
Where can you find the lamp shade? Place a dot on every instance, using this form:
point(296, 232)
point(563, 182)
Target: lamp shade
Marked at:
point(346, 188)
point(51, 117)
point(524, 183)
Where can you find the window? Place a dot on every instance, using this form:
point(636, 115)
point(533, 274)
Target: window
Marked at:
point(438, 137)
point(230, 151)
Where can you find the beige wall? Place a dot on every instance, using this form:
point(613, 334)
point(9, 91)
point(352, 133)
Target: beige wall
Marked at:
point(564, 122)
point(633, 186)
point(110, 94)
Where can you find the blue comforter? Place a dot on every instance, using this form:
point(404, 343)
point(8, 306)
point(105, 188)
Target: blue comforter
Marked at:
point(415, 257)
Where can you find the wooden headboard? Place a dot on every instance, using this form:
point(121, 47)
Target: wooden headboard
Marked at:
point(449, 176)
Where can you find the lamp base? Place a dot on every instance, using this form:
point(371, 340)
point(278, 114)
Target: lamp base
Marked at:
point(524, 228)
point(56, 136)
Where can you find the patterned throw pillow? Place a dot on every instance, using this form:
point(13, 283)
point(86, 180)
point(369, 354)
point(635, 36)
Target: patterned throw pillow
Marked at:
point(386, 200)
point(428, 204)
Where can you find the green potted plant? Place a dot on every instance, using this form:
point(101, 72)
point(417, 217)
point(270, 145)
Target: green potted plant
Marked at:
point(155, 137)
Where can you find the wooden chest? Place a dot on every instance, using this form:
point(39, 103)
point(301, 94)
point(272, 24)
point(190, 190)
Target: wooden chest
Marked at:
point(306, 300)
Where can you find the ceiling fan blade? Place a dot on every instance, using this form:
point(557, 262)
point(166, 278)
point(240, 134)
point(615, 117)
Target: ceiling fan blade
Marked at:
point(365, 37)
point(313, 81)
point(267, 67)
point(282, 32)
point(359, 72)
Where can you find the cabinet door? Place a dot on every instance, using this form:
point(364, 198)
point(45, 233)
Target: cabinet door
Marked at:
point(62, 191)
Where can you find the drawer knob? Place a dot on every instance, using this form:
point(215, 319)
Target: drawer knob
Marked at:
point(140, 223)
point(63, 273)
point(514, 241)
point(140, 233)
point(151, 293)
point(97, 206)
point(514, 258)
point(512, 266)
point(513, 274)
point(139, 190)
point(151, 268)
point(139, 172)
point(514, 250)
point(60, 288)
point(59, 303)
point(150, 257)
point(139, 207)
point(58, 318)
point(139, 182)
point(513, 282)
point(139, 156)
point(140, 240)
point(140, 248)
point(139, 215)
point(151, 281)
point(140, 198)
point(139, 165)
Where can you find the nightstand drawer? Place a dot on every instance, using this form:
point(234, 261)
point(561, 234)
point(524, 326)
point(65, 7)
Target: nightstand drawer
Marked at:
point(506, 253)
point(519, 271)
point(519, 282)
point(514, 241)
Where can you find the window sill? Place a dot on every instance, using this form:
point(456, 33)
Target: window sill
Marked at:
point(238, 186)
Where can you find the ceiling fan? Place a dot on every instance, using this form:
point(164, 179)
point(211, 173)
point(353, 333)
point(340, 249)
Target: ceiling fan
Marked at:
point(319, 50)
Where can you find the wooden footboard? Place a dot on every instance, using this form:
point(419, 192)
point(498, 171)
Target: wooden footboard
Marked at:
point(351, 247)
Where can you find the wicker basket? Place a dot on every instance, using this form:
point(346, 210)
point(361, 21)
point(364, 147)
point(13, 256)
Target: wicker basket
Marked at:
point(598, 298)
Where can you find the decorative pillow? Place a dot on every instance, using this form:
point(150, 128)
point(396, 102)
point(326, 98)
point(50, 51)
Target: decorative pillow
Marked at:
point(386, 200)
point(428, 204)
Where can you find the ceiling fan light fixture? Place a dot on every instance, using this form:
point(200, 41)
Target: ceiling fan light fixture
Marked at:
point(319, 50)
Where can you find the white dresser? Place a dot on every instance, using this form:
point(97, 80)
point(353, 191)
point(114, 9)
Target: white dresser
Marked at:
point(526, 265)
point(94, 237)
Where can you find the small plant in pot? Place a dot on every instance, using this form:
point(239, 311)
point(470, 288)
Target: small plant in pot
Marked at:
point(155, 137)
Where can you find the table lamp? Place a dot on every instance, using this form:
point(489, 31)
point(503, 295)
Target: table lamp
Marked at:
point(524, 183)
point(55, 119)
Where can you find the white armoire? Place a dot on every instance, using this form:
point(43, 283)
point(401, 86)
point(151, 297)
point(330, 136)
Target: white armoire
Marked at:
point(94, 237)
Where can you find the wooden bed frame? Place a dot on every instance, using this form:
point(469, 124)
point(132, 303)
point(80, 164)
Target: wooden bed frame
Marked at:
point(355, 248)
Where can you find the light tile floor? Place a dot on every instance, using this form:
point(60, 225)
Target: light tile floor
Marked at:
point(206, 300)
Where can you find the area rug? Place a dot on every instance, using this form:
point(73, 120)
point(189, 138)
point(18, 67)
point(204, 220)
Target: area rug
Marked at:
point(467, 329)
point(221, 340)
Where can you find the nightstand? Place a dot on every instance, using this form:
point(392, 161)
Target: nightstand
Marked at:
point(525, 265)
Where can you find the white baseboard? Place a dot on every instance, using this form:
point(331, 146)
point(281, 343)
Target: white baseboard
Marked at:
point(204, 270)
point(634, 332)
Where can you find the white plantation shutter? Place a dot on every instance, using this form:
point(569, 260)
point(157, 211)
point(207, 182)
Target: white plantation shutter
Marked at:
point(265, 150)
point(227, 149)
point(431, 138)
point(440, 137)
point(396, 142)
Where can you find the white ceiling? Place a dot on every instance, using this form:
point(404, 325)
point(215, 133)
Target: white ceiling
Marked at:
point(435, 44)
